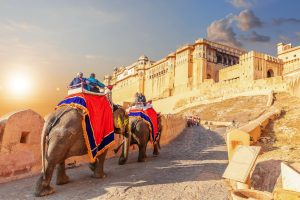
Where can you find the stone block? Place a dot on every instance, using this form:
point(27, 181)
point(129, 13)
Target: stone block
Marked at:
point(241, 164)
point(281, 194)
point(234, 138)
point(291, 176)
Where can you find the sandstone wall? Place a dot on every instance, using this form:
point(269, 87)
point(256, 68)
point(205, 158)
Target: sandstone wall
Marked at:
point(20, 144)
point(210, 92)
point(22, 127)
point(173, 125)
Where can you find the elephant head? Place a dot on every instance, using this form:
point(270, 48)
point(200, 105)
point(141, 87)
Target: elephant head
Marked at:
point(121, 120)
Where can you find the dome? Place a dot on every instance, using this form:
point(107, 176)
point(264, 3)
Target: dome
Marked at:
point(143, 57)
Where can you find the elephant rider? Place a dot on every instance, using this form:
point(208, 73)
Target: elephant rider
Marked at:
point(94, 83)
point(140, 100)
point(79, 81)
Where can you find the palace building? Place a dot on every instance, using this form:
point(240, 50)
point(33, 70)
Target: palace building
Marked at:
point(290, 56)
point(192, 65)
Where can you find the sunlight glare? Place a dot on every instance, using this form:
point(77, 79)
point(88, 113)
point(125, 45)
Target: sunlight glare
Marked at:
point(20, 84)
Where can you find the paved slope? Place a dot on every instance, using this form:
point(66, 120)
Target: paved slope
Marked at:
point(188, 168)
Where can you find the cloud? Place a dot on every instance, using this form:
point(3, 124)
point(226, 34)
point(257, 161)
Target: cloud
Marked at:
point(281, 21)
point(255, 37)
point(221, 31)
point(241, 3)
point(247, 20)
point(11, 25)
point(298, 33)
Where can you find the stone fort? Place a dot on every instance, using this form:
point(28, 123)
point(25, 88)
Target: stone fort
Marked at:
point(205, 67)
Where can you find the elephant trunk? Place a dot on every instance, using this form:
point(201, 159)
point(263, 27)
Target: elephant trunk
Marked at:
point(125, 149)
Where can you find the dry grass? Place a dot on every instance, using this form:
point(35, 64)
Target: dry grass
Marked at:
point(240, 109)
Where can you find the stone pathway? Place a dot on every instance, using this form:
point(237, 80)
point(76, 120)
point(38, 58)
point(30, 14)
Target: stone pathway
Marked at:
point(189, 168)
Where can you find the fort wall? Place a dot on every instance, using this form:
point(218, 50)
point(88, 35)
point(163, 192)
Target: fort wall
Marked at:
point(205, 68)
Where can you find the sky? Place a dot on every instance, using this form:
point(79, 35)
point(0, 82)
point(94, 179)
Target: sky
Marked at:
point(43, 44)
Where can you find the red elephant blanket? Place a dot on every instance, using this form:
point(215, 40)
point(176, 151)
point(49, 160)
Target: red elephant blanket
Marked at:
point(149, 115)
point(97, 123)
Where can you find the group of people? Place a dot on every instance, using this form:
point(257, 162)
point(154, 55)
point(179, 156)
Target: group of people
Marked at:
point(93, 85)
point(90, 84)
point(140, 99)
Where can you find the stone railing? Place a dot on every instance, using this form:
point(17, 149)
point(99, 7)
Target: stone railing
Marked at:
point(172, 125)
point(251, 132)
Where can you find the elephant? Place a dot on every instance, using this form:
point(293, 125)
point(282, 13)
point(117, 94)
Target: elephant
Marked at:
point(63, 134)
point(139, 133)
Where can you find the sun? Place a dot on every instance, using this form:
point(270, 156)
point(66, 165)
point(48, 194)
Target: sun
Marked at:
point(19, 84)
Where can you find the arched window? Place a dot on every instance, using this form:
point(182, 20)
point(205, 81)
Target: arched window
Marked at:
point(208, 76)
point(270, 73)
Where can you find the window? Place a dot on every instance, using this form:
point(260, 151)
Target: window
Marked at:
point(24, 137)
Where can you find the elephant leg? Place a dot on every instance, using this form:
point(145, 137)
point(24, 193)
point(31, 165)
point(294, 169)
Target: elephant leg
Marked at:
point(98, 171)
point(92, 166)
point(61, 176)
point(155, 150)
point(43, 187)
point(142, 153)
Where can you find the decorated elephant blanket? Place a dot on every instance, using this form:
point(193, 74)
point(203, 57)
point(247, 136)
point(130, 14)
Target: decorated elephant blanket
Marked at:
point(97, 123)
point(149, 115)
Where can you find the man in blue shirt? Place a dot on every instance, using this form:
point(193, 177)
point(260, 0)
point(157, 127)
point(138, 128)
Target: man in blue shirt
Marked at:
point(94, 83)
point(78, 81)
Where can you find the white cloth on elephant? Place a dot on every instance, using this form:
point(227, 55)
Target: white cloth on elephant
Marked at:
point(147, 106)
point(108, 94)
point(140, 106)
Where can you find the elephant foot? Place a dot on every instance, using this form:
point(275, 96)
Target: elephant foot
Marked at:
point(102, 175)
point(92, 166)
point(155, 153)
point(141, 159)
point(62, 180)
point(122, 161)
point(45, 191)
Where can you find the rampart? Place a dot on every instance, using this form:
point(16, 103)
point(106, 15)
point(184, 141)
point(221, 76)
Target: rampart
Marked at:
point(211, 92)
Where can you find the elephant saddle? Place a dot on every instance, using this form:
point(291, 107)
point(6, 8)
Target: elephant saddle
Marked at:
point(149, 115)
point(97, 123)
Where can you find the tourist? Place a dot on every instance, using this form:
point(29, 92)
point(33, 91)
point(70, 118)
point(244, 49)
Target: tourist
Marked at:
point(78, 81)
point(94, 83)
point(142, 98)
point(136, 99)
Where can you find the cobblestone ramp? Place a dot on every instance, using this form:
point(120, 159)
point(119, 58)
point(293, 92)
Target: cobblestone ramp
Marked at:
point(189, 168)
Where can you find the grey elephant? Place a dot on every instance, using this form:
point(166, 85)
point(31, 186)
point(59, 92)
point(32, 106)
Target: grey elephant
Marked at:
point(139, 134)
point(63, 136)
